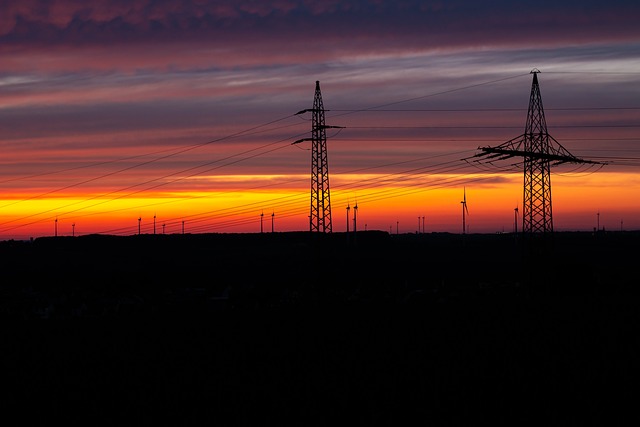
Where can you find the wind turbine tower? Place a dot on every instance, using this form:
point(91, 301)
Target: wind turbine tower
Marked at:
point(320, 217)
point(539, 151)
point(465, 211)
point(348, 219)
point(355, 218)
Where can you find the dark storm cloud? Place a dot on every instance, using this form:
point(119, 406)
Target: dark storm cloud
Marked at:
point(356, 23)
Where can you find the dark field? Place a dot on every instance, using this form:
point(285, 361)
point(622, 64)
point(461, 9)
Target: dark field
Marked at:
point(300, 329)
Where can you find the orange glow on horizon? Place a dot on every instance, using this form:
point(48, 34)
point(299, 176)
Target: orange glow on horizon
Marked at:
point(490, 205)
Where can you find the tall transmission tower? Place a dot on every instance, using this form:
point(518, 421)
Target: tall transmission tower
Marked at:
point(320, 216)
point(540, 151)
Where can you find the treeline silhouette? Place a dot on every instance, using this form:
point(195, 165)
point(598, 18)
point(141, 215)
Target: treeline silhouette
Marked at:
point(308, 329)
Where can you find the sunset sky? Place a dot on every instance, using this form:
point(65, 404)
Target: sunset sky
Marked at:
point(173, 116)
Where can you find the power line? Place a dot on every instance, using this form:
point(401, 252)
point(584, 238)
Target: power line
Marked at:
point(492, 127)
point(479, 110)
point(371, 183)
point(245, 132)
point(437, 93)
point(174, 153)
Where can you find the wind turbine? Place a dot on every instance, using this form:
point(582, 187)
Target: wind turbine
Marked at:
point(348, 219)
point(355, 218)
point(465, 211)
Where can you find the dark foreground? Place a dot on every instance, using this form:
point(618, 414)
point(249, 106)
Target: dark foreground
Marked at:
point(293, 329)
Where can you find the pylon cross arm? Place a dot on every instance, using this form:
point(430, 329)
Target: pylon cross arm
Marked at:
point(330, 127)
point(541, 156)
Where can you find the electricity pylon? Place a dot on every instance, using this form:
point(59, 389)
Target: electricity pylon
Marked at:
point(320, 216)
point(540, 151)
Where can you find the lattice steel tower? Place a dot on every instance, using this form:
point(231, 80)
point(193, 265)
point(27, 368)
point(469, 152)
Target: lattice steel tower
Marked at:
point(320, 216)
point(540, 151)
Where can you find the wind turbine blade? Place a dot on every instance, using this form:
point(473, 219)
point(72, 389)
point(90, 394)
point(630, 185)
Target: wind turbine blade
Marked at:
point(464, 198)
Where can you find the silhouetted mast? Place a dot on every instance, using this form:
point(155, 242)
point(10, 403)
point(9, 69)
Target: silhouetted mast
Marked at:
point(348, 219)
point(540, 151)
point(355, 218)
point(320, 217)
point(465, 210)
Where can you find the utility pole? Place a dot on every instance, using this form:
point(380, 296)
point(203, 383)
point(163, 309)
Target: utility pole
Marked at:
point(261, 216)
point(56, 228)
point(139, 219)
point(320, 216)
point(273, 214)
